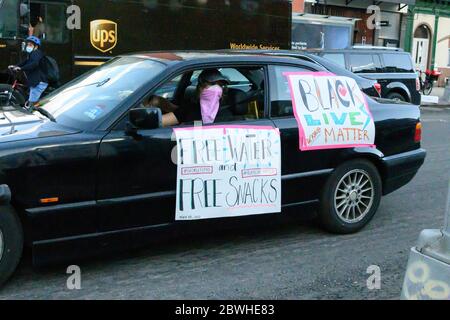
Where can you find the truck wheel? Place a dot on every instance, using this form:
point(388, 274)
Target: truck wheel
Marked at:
point(351, 197)
point(11, 242)
point(17, 98)
point(396, 96)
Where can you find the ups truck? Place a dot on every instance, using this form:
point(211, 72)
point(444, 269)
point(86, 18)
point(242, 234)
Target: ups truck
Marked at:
point(81, 34)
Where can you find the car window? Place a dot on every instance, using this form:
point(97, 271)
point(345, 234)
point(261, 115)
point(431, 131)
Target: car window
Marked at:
point(85, 101)
point(237, 79)
point(364, 63)
point(337, 58)
point(242, 99)
point(280, 94)
point(167, 90)
point(395, 62)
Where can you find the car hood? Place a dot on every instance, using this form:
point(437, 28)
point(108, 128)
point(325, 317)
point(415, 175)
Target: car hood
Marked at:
point(17, 125)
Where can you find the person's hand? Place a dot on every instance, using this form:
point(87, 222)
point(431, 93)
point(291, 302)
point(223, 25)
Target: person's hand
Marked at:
point(16, 68)
point(11, 67)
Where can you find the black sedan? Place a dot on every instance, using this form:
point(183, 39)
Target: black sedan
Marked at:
point(97, 166)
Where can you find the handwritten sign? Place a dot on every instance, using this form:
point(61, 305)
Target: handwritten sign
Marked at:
point(226, 171)
point(331, 111)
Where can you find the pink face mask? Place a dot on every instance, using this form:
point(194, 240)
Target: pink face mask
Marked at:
point(210, 102)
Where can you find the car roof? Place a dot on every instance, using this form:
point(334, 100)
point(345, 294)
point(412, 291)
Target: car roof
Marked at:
point(327, 64)
point(358, 50)
point(177, 57)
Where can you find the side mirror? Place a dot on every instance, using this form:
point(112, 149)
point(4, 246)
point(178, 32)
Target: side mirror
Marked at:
point(146, 118)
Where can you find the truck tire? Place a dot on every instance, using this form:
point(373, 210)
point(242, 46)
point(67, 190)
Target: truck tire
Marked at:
point(396, 96)
point(11, 242)
point(17, 98)
point(351, 197)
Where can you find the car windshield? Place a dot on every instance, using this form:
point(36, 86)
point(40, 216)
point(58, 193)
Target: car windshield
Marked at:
point(87, 100)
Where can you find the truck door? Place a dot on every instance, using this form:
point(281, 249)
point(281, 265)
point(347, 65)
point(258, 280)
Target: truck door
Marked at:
point(48, 21)
point(13, 16)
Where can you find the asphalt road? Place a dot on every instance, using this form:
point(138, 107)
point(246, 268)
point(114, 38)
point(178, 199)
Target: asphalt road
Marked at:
point(289, 259)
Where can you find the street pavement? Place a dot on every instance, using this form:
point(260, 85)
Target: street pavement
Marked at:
point(287, 259)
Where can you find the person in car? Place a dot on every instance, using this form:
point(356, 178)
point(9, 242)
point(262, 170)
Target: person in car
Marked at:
point(210, 90)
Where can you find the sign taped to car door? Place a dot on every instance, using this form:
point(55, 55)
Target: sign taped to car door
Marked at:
point(227, 171)
point(331, 111)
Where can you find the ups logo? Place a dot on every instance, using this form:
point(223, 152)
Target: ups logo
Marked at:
point(103, 35)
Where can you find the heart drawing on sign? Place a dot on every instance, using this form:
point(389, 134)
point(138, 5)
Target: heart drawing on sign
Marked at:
point(342, 91)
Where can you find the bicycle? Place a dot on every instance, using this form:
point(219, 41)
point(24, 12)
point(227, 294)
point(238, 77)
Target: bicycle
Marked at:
point(14, 95)
point(426, 86)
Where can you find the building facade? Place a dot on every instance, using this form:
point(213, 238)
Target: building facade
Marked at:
point(427, 36)
point(390, 15)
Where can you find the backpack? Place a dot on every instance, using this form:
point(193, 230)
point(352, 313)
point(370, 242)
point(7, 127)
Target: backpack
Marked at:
point(51, 70)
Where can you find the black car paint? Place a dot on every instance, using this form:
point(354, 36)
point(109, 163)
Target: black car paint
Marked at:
point(115, 189)
point(403, 83)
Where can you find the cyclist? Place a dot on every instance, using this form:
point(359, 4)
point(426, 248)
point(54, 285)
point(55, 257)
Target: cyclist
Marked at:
point(34, 69)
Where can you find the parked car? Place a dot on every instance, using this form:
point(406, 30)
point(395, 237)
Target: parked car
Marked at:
point(92, 168)
point(370, 87)
point(392, 68)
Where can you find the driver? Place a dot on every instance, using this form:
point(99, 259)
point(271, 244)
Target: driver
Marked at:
point(210, 90)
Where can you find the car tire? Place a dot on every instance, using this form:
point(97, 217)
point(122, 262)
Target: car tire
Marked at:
point(346, 203)
point(11, 242)
point(17, 98)
point(396, 96)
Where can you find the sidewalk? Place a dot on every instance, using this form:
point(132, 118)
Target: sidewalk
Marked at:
point(443, 95)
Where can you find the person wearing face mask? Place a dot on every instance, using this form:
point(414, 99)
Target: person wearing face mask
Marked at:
point(210, 90)
point(34, 69)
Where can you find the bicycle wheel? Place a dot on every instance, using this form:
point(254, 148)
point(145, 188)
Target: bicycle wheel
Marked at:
point(428, 88)
point(17, 99)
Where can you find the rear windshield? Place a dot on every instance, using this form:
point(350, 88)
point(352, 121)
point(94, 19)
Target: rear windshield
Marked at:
point(397, 62)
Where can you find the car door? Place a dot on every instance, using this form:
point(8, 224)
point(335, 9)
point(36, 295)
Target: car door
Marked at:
point(137, 174)
point(303, 172)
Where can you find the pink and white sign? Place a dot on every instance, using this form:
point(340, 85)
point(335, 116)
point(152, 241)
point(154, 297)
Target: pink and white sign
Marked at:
point(331, 111)
point(227, 171)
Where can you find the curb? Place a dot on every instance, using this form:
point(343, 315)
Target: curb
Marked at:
point(443, 106)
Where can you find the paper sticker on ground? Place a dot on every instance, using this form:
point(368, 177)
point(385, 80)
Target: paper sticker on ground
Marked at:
point(227, 171)
point(331, 111)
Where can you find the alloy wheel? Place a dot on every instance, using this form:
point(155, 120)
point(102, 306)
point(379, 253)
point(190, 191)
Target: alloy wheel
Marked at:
point(354, 196)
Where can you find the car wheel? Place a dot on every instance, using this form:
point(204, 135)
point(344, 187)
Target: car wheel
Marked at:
point(351, 197)
point(396, 96)
point(11, 242)
point(17, 98)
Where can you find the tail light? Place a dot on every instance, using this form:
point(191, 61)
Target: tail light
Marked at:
point(417, 84)
point(377, 87)
point(418, 133)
